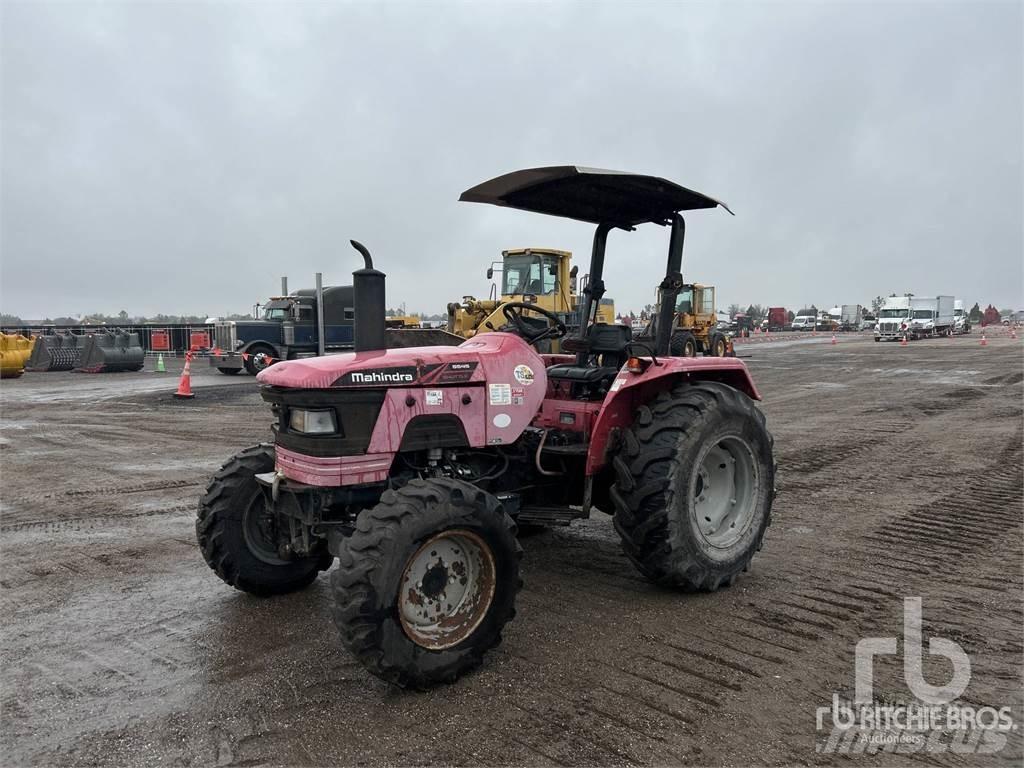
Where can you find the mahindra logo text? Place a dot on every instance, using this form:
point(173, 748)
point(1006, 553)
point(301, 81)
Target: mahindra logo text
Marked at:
point(379, 376)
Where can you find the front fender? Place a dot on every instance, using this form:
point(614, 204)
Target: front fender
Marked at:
point(631, 390)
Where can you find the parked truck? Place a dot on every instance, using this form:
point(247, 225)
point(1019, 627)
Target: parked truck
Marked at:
point(961, 318)
point(776, 319)
point(931, 316)
point(851, 317)
point(286, 329)
point(893, 319)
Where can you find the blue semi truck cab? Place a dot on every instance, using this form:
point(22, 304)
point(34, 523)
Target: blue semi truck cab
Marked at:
point(287, 329)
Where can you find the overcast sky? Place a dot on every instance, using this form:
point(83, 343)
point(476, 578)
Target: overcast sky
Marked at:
point(180, 157)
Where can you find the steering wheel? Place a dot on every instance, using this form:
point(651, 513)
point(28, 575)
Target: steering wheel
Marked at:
point(513, 312)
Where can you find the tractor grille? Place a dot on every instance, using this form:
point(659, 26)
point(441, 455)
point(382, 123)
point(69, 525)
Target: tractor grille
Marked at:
point(890, 327)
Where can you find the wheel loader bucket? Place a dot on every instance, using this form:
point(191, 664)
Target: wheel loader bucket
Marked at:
point(59, 352)
point(15, 351)
point(111, 352)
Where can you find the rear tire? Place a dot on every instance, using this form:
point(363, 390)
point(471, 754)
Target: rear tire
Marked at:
point(233, 536)
point(674, 484)
point(683, 344)
point(423, 545)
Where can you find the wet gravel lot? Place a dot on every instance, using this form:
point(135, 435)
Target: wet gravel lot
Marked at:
point(900, 474)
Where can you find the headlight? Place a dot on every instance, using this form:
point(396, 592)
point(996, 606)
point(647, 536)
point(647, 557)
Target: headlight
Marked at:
point(312, 422)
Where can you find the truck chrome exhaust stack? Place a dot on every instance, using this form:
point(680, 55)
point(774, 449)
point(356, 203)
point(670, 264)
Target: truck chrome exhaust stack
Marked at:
point(370, 307)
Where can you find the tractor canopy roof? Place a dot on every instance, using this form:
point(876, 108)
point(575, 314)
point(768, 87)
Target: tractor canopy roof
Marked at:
point(590, 194)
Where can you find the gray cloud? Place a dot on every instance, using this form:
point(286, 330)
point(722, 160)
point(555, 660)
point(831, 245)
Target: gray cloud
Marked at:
point(180, 157)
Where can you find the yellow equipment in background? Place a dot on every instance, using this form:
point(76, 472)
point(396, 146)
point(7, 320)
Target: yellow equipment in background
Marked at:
point(694, 326)
point(538, 276)
point(402, 321)
point(15, 351)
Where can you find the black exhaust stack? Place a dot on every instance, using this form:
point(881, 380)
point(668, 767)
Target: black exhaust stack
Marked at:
point(368, 297)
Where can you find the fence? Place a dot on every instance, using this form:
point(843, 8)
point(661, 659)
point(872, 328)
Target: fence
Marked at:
point(164, 338)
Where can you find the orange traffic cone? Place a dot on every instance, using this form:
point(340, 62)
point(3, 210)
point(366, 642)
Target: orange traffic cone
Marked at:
point(185, 384)
point(833, 338)
point(903, 341)
point(984, 341)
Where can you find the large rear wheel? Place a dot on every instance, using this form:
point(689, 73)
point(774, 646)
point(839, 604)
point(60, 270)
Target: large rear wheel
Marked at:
point(427, 581)
point(694, 486)
point(239, 536)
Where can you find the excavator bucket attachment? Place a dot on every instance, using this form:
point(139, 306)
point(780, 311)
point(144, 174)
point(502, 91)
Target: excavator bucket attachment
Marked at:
point(15, 351)
point(59, 352)
point(111, 352)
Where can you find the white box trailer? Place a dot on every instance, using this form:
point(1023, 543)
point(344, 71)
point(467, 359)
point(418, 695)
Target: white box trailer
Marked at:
point(851, 317)
point(931, 316)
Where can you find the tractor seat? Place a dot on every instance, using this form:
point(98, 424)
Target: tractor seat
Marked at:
point(608, 341)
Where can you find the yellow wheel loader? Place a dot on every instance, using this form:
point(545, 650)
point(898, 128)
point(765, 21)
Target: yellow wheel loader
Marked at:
point(541, 277)
point(694, 325)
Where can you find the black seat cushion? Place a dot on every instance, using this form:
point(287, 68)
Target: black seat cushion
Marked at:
point(604, 340)
point(587, 374)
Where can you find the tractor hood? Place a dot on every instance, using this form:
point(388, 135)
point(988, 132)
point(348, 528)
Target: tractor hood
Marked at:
point(494, 357)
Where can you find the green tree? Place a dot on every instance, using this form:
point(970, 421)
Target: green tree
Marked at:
point(975, 313)
point(6, 319)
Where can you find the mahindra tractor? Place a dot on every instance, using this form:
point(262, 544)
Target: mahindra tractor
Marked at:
point(417, 468)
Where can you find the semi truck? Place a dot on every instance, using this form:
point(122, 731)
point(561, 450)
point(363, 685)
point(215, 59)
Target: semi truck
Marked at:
point(893, 319)
point(285, 329)
point(776, 319)
point(915, 317)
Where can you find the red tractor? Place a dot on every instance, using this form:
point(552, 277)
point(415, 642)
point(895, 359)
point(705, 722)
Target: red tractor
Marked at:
point(414, 467)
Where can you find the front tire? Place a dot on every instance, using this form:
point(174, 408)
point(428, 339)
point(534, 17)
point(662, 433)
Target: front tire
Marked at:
point(683, 344)
point(717, 346)
point(427, 581)
point(238, 539)
point(694, 486)
point(258, 358)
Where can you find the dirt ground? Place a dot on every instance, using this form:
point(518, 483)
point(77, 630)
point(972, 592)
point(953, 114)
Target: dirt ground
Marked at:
point(900, 474)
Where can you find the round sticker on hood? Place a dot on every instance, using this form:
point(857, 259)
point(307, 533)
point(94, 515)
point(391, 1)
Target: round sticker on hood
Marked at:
point(523, 374)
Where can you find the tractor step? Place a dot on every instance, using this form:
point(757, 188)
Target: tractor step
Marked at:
point(548, 515)
point(574, 449)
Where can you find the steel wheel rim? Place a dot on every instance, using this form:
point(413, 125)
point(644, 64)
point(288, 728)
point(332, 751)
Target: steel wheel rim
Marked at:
point(260, 361)
point(258, 528)
point(724, 491)
point(447, 589)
